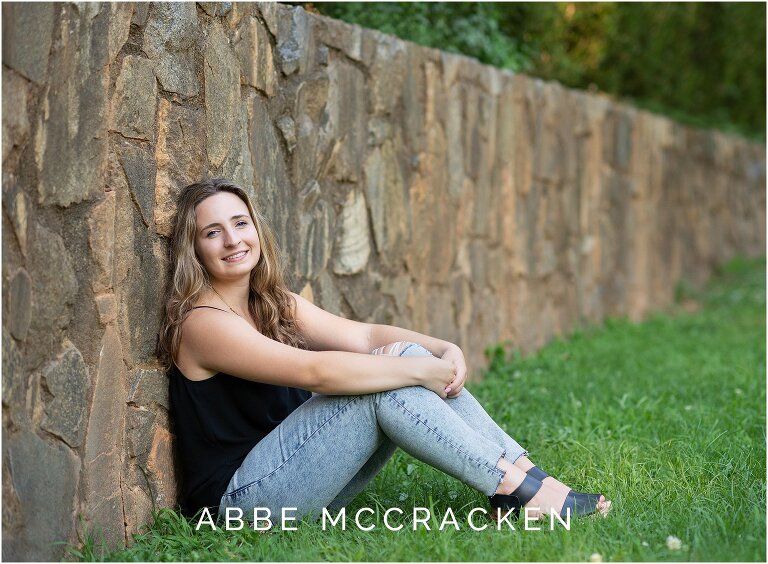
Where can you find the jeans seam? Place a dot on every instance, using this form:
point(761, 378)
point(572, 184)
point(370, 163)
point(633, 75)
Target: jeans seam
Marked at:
point(323, 424)
point(503, 474)
point(492, 470)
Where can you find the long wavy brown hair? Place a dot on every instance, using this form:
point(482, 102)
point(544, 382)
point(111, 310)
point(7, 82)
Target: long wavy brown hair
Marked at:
point(269, 301)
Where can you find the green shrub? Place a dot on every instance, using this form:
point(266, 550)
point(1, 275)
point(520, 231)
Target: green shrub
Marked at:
point(700, 63)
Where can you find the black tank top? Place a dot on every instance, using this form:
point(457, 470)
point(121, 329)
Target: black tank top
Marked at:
point(217, 422)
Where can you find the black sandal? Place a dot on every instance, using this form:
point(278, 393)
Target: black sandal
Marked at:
point(579, 504)
point(537, 473)
point(582, 504)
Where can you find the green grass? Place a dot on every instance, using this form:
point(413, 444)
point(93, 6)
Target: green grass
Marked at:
point(666, 417)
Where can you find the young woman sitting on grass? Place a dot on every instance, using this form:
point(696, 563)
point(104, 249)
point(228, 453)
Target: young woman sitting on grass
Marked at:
point(278, 403)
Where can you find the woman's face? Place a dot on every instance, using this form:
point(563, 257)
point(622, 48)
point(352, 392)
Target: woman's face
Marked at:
point(226, 241)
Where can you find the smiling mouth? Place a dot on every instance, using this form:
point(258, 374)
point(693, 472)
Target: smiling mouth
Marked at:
point(236, 257)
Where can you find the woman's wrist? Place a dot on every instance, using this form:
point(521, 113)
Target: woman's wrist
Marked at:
point(419, 374)
point(448, 346)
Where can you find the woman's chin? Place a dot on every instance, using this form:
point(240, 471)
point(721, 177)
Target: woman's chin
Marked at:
point(233, 273)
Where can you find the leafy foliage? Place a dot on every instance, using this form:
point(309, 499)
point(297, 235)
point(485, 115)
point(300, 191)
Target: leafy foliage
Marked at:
point(702, 63)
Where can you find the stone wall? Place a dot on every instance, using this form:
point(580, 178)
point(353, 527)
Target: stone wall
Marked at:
point(406, 186)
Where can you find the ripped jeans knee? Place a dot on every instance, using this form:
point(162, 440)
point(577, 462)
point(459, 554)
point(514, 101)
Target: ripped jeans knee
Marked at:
point(402, 348)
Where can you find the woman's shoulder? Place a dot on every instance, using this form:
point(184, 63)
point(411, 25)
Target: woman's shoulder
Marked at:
point(210, 307)
point(202, 314)
point(194, 326)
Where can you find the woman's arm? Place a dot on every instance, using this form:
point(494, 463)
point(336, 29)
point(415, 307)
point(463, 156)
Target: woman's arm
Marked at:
point(353, 373)
point(381, 335)
point(221, 342)
point(327, 332)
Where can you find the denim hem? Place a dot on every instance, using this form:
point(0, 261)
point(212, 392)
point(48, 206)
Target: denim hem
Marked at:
point(503, 474)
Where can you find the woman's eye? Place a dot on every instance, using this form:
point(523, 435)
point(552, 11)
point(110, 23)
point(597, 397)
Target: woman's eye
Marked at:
point(210, 233)
point(242, 223)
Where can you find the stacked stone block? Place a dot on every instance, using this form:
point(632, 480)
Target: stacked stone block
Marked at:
point(405, 186)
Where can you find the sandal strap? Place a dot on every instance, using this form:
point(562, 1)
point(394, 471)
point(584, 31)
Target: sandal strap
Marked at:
point(522, 495)
point(525, 491)
point(580, 504)
point(591, 499)
point(570, 504)
point(586, 503)
point(537, 473)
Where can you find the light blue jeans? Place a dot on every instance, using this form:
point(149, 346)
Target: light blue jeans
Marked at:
point(326, 451)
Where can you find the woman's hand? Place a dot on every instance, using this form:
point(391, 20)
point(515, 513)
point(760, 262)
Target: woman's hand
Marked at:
point(435, 373)
point(456, 358)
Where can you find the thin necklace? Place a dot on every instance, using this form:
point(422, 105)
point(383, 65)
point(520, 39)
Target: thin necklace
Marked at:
point(225, 301)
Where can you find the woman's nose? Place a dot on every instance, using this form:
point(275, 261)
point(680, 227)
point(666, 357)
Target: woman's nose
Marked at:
point(230, 238)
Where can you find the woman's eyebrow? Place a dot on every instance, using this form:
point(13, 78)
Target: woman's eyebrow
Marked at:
point(216, 223)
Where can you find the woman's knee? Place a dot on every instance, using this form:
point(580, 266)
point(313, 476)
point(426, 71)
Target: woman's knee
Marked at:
point(392, 349)
point(415, 349)
point(413, 395)
point(402, 348)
